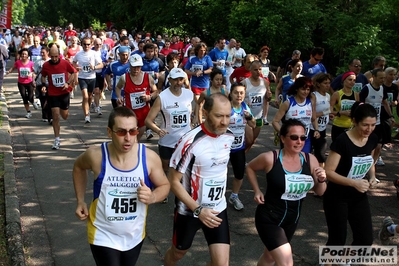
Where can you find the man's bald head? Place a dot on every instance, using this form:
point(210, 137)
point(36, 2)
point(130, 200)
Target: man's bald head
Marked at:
point(54, 54)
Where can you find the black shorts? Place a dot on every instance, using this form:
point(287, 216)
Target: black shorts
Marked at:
point(185, 228)
point(165, 152)
point(88, 84)
point(272, 234)
point(99, 81)
point(105, 256)
point(386, 131)
point(378, 130)
point(237, 159)
point(60, 101)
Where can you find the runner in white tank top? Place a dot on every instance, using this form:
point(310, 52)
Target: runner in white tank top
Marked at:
point(128, 177)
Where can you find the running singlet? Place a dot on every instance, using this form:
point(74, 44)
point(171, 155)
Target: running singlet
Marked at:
point(72, 52)
point(117, 218)
point(301, 112)
point(134, 93)
point(237, 126)
point(254, 96)
point(375, 98)
point(344, 103)
point(202, 158)
point(286, 190)
point(322, 103)
point(176, 116)
point(265, 68)
point(208, 91)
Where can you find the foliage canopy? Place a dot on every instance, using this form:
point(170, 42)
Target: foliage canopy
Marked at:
point(345, 28)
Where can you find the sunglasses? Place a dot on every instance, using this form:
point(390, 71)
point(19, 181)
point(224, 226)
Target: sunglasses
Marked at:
point(296, 137)
point(86, 44)
point(357, 65)
point(123, 132)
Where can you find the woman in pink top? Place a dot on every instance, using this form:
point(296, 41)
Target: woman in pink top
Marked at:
point(26, 79)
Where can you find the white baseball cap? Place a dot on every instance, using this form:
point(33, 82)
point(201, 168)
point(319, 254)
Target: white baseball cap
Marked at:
point(177, 73)
point(136, 60)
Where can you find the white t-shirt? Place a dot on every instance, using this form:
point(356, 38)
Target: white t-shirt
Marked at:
point(17, 40)
point(84, 60)
point(240, 53)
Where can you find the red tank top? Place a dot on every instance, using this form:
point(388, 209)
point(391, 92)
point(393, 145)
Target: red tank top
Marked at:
point(72, 52)
point(133, 93)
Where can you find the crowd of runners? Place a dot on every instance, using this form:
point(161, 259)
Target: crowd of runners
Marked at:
point(213, 102)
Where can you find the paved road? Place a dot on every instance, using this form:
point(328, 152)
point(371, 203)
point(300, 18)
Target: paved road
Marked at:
point(52, 235)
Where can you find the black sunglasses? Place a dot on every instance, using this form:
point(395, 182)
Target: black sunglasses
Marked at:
point(87, 44)
point(123, 132)
point(296, 137)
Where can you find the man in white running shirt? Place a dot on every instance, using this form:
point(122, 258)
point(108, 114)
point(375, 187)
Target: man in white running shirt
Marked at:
point(86, 62)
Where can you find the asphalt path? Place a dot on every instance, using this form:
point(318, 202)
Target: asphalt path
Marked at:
point(52, 235)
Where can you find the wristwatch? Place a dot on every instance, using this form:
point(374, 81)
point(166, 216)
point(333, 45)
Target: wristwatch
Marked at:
point(197, 211)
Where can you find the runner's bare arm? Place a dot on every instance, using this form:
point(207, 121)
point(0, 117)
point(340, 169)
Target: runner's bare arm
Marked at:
point(157, 177)
point(88, 160)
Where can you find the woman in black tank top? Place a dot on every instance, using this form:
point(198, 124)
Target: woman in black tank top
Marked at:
point(290, 174)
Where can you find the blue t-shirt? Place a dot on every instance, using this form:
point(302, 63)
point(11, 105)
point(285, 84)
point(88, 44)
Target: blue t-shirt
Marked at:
point(195, 64)
point(336, 84)
point(309, 70)
point(35, 53)
point(287, 83)
point(118, 69)
point(219, 56)
point(150, 66)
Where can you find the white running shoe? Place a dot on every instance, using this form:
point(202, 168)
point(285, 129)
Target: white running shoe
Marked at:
point(35, 105)
point(98, 110)
point(380, 162)
point(149, 134)
point(92, 107)
point(28, 115)
point(56, 145)
point(87, 119)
